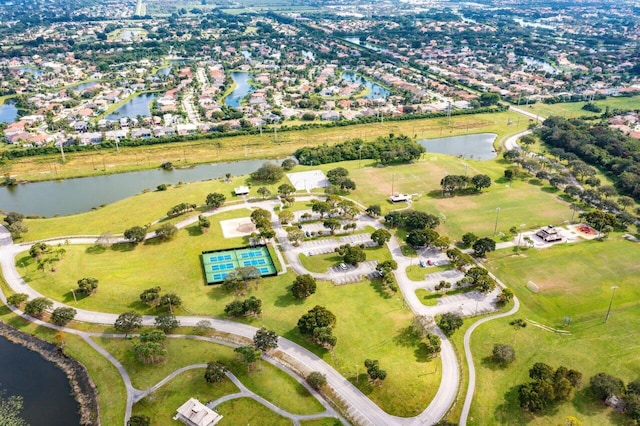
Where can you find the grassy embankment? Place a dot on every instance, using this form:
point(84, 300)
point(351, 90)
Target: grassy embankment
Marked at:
point(187, 153)
point(575, 283)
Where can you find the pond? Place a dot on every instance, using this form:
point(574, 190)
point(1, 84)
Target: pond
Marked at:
point(243, 88)
point(80, 195)
point(477, 146)
point(80, 87)
point(375, 90)
point(540, 65)
point(136, 106)
point(29, 70)
point(44, 388)
point(8, 112)
point(356, 40)
point(172, 63)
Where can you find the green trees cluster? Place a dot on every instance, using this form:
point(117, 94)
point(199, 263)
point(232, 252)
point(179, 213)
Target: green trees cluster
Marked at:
point(87, 285)
point(449, 322)
point(460, 183)
point(166, 231)
point(262, 219)
point(15, 224)
point(548, 387)
point(251, 306)
point(239, 280)
point(429, 342)
point(351, 255)
point(374, 373)
point(483, 246)
point(268, 173)
point(136, 234)
point(303, 286)
point(265, 340)
point(339, 177)
point(385, 269)
point(597, 145)
point(37, 306)
point(215, 200)
point(411, 219)
point(215, 372)
point(150, 349)
point(318, 323)
point(503, 354)
point(385, 150)
point(478, 278)
point(63, 315)
point(179, 209)
point(458, 258)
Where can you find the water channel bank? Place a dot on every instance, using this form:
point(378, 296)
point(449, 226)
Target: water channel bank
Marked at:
point(81, 386)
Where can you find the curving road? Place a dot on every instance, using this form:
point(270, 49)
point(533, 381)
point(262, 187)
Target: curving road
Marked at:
point(360, 408)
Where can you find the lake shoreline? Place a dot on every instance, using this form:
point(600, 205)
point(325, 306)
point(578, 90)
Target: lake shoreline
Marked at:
point(82, 387)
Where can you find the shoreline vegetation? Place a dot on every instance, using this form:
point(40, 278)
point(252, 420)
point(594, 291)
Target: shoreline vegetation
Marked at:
point(147, 155)
point(82, 387)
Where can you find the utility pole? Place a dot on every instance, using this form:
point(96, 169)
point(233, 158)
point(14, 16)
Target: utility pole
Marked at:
point(495, 228)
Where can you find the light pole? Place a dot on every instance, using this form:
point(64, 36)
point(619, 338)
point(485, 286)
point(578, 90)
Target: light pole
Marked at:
point(495, 228)
point(74, 295)
point(610, 303)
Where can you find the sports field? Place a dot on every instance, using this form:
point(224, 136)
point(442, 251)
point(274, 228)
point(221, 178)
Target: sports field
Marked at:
point(218, 264)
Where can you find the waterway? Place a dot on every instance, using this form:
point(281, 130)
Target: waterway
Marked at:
point(356, 40)
point(375, 90)
point(172, 63)
point(80, 87)
point(243, 88)
point(8, 112)
point(43, 387)
point(135, 107)
point(540, 65)
point(71, 196)
point(477, 146)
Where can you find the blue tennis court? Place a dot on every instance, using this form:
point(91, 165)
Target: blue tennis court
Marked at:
point(219, 264)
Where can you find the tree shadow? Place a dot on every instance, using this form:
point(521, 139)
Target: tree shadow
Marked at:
point(95, 249)
point(217, 293)
point(376, 284)
point(535, 182)
point(510, 412)
point(550, 189)
point(586, 403)
point(422, 354)
point(406, 337)
point(491, 364)
point(123, 247)
point(286, 299)
point(194, 230)
point(361, 381)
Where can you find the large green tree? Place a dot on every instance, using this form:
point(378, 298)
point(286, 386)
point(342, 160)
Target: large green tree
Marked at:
point(303, 286)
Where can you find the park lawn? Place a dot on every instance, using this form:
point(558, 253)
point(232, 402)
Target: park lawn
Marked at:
point(576, 284)
point(139, 210)
point(370, 324)
point(161, 405)
point(426, 297)
point(574, 109)
point(246, 411)
point(264, 379)
point(233, 148)
point(519, 201)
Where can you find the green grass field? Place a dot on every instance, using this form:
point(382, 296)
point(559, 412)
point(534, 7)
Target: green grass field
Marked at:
point(370, 324)
point(574, 109)
point(575, 281)
point(265, 379)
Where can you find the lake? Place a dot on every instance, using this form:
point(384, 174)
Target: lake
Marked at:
point(80, 195)
point(243, 88)
point(44, 388)
point(136, 106)
point(8, 112)
point(375, 90)
point(356, 40)
point(80, 87)
point(477, 146)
